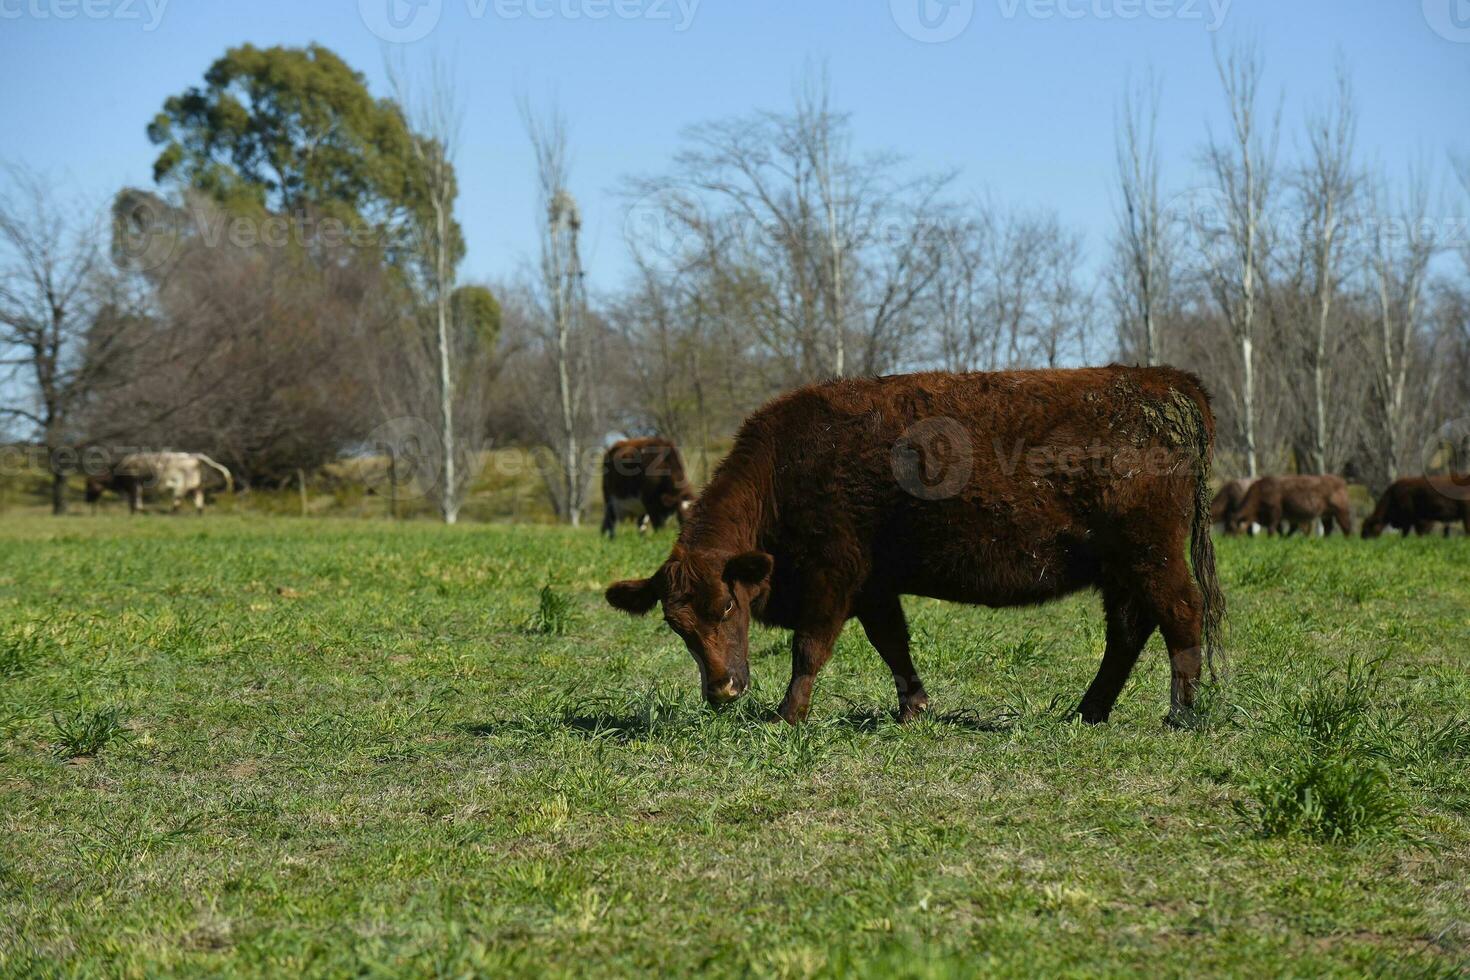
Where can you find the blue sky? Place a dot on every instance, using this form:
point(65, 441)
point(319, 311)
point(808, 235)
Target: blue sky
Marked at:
point(1020, 99)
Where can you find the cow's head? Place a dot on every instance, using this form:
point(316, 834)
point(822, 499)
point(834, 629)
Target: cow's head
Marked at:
point(707, 598)
point(682, 504)
point(95, 486)
point(1373, 527)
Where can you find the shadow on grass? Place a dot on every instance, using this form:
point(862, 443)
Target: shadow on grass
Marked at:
point(639, 725)
point(969, 720)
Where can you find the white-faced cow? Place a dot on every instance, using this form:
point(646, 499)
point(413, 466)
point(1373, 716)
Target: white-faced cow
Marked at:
point(643, 480)
point(178, 474)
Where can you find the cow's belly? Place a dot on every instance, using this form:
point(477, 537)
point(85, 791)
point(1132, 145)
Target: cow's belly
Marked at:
point(625, 508)
point(987, 561)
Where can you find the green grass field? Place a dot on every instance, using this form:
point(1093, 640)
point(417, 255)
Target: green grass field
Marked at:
point(270, 746)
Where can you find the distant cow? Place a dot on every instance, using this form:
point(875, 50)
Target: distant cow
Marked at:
point(1003, 489)
point(1228, 500)
point(1296, 501)
point(1418, 503)
point(179, 474)
point(644, 479)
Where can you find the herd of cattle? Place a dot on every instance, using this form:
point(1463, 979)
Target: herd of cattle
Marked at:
point(827, 509)
point(1287, 504)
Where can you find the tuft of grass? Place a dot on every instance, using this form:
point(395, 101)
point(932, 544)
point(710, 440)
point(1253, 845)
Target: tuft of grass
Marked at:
point(1264, 571)
point(85, 733)
point(1333, 797)
point(553, 617)
point(1345, 715)
point(18, 649)
point(1333, 784)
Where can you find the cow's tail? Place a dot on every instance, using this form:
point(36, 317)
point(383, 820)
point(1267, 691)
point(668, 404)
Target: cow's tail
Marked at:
point(1201, 545)
point(229, 480)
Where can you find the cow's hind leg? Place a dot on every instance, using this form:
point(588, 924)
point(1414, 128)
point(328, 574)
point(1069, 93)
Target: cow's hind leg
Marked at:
point(1175, 602)
point(1129, 626)
point(883, 620)
point(609, 519)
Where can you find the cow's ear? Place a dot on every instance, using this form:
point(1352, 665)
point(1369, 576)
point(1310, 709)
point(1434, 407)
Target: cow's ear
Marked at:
point(749, 568)
point(635, 595)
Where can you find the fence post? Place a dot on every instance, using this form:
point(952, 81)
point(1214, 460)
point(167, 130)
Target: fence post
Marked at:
point(392, 483)
point(301, 487)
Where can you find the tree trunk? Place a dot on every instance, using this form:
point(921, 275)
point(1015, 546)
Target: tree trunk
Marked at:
point(1248, 402)
point(449, 495)
point(58, 493)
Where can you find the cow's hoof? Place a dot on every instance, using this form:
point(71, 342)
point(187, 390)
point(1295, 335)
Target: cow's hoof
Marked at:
point(912, 710)
point(1183, 719)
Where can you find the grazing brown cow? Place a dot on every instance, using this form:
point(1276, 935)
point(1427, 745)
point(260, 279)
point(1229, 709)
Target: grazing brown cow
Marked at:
point(1418, 503)
point(1227, 500)
point(644, 479)
point(1298, 501)
point(1004, 489)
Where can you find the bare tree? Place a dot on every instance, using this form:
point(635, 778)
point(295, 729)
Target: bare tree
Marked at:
point(1327, 188)
point(1403, 244)
point(824, 141)
point(49, 269)
point(563, 298)
point(1143, 244)
point(435, 121)
point(1242, 167)
point(1065, 305)
point(829, 251)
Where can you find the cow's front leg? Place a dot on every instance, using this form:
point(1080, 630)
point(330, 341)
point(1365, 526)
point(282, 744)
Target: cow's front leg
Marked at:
point(811, 646)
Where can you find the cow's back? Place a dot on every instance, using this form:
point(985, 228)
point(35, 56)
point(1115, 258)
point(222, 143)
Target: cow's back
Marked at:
point(999, 486)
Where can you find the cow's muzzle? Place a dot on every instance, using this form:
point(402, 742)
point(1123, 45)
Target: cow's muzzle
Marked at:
point(721, 694)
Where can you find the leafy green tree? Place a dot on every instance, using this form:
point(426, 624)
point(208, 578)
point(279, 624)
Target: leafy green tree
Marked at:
point(477, 315)
point(294, 131)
